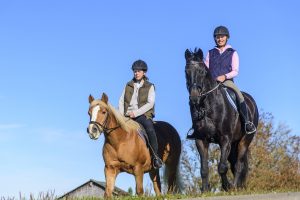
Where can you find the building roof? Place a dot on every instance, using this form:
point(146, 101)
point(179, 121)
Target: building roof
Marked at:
point(117, 191)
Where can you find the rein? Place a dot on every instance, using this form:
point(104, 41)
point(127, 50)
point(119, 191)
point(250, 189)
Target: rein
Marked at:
point(208, 92)
point(104, 126)
point(200, 112)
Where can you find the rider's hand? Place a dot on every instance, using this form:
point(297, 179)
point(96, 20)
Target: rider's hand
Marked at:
point(131, 115)
point(221, 78)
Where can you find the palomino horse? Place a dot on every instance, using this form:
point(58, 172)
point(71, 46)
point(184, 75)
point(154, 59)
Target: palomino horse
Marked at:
point(125, 151)
point(215, 121)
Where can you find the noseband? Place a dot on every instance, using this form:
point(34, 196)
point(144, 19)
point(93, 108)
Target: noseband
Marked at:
point(104, 125)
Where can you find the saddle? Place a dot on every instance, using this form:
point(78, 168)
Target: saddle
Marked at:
point(231, 97)
point(143, 135)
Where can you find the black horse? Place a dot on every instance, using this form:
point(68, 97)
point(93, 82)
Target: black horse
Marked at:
point(216, 121)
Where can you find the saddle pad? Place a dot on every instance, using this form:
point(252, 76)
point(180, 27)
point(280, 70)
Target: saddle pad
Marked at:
point(231, 100)
point(142, 133)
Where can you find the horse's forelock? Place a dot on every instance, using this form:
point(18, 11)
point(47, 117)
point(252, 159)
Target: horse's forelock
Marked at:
point(198, 54)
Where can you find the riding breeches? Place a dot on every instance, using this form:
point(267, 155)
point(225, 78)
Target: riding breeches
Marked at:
point(230, 84)
point(148, 126)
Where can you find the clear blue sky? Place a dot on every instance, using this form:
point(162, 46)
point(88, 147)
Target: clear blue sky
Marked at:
point(53, 54)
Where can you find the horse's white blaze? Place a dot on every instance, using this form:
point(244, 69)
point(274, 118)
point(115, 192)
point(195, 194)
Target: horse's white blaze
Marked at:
point(95, 113)
point(91, 128)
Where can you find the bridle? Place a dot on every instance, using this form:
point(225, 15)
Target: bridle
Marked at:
point(195, 84)
point(104, 127)
point(200, 111)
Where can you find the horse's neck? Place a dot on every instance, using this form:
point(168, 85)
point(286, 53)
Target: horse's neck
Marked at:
point(216, 96)
point(115, 136)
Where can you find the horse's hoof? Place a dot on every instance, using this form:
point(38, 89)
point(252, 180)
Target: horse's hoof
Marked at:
point(205, 188)
point(227, 186)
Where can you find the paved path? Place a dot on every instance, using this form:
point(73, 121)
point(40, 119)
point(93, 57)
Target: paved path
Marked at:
point(271, 196)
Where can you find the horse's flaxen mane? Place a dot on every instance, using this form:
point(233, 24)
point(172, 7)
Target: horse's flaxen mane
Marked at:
point(126, 123)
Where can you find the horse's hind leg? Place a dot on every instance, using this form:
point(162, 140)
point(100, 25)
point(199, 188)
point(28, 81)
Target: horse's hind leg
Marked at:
point(241, 166)
point(223, 166)
point(154, 175)
point(233, 157)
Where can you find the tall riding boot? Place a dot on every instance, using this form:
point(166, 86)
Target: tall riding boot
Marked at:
point(157, 163)
point(249, 126)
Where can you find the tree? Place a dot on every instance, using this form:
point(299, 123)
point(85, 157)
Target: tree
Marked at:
point(130, 191)
point(274, 157)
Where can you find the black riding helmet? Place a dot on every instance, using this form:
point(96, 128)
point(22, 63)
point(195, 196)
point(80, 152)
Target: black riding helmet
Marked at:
point(221, 30)
point(139, 65)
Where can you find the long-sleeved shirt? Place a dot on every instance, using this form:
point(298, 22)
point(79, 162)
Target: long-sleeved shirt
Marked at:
point(133, 106)
point(234, 64)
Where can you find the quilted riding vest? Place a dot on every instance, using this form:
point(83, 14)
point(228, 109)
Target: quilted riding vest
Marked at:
point(142, 97)
point(220, 64)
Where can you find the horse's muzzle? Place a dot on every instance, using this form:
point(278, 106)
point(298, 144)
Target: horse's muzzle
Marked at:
point(195, 100)
point(93, 131)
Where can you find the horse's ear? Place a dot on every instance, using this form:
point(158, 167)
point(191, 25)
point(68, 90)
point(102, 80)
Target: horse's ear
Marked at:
point(91, 98)
point(199, 54)
point(104, 98)
point(187, 54)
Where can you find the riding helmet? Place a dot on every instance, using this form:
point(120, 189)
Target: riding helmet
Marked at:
point(139, 65)
point(221, 30)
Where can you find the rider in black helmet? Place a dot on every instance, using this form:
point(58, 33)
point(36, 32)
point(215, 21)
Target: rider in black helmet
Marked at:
point(223, 64)
point(221, 30)
point(137, 102)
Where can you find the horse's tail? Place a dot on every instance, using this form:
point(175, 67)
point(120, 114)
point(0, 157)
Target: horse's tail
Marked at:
point(169, 136)
point(174, 181)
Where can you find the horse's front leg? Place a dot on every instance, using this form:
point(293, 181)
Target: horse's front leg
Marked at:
point(225, 146)
point(202, 147)
point(154, 175)
point(139, 176)
point(111, 173)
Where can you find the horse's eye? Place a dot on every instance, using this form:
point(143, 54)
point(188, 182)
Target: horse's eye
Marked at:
point(103, 112)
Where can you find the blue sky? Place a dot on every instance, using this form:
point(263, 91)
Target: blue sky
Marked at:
point(53, 54)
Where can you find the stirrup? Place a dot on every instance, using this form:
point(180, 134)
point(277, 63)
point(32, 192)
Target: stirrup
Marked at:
point(157, 162)
point(190, 134)
point(253, 128)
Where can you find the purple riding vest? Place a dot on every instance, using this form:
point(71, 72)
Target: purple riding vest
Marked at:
point(220, 64)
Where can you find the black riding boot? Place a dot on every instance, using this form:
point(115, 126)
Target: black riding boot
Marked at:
point(249, 126)
point(157, 163)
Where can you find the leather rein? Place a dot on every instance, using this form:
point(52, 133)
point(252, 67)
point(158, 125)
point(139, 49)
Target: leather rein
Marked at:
point(104, 127)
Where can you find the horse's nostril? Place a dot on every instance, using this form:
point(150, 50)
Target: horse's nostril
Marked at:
point(94, 129)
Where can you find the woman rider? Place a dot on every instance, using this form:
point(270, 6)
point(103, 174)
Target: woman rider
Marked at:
point(223, 64)
point(137, 102)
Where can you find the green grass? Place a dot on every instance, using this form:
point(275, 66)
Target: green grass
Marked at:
point(51, 196)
